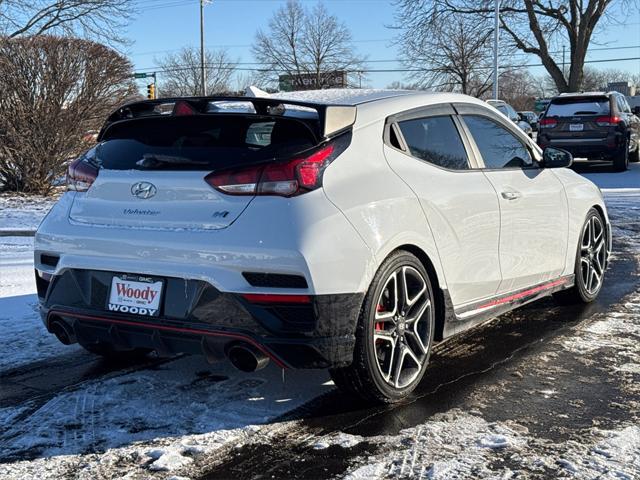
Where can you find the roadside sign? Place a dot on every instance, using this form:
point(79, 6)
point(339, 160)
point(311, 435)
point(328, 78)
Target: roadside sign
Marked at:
point(140, 75)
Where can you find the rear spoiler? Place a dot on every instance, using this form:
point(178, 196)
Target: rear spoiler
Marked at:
point(332, 119)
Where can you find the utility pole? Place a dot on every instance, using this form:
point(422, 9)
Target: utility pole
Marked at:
point(203, 73)
point(496, 38)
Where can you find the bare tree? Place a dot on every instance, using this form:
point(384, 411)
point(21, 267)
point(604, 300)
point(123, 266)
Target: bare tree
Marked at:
point(100, 19)
point(55, 92)
point(454, 56)
point(181, 72)
point(596, 79)
point(242, 80)
point(533, 26)
point(305, 43)
point(519, 89)
point(398, 85)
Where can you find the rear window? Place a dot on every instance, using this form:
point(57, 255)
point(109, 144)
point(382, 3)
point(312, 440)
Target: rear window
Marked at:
point(567, 107)
point(503, 109)
point(201, 142)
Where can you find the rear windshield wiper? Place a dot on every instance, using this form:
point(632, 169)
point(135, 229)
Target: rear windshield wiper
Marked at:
point(152, 160)
point(585, 112)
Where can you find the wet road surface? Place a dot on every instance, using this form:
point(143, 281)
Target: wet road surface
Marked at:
point(511, 368)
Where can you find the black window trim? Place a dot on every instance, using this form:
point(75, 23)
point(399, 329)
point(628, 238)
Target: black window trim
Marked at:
point(470, 109)
point(437, 110)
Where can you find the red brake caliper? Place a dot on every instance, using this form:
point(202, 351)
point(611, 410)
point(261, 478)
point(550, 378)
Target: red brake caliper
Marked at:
point(379, 325)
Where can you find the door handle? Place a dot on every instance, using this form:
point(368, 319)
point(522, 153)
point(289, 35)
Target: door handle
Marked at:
point(510, 195)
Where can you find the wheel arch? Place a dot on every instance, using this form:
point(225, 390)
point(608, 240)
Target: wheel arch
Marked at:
point(600, 210)
point(438, 292)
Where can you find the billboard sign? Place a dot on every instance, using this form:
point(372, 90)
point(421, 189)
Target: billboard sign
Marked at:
point(310, 81)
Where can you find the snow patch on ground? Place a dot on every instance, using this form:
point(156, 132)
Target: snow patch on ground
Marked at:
point(167, 459)
point(459, 445)
point(619, 333)
point(16, 266)
point(23, 212)
point(339, 439)
point(151, 420)
point(451, 445)
point(23, 338)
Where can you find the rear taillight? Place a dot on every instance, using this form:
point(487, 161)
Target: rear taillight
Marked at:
point(548, 122)
point(81, 175)
point(283, 178)
point(608, 121)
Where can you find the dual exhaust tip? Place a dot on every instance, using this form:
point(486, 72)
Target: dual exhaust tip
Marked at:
point(244, 356)
point(63, 331)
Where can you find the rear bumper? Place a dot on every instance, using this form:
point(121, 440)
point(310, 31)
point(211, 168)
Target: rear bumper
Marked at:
point(197, 318)
point(601, 147)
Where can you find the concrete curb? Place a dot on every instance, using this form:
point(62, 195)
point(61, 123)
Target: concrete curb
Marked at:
point(17, 233)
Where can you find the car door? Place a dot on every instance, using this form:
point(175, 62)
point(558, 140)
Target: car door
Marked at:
point(533, 206)
point(426, 150)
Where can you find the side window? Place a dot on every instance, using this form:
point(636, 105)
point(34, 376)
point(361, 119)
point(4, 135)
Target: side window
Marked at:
point(498, 146)
point(435, 140)
point(625, 104)
point(259, 134)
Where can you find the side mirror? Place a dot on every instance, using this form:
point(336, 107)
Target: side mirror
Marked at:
point(556, 158)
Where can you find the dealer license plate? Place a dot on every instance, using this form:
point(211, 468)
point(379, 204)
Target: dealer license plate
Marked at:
point(135, 295)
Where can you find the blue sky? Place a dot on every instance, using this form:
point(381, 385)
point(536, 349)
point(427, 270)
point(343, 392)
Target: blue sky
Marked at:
point(167, 25)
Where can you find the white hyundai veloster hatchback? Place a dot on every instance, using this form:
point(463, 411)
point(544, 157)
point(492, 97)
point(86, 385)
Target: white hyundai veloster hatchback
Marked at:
point(339, 229)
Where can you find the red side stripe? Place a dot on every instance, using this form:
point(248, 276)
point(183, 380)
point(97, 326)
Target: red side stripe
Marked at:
point(526, 293)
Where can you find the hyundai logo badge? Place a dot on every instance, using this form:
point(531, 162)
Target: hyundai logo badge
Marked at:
point(143, 190)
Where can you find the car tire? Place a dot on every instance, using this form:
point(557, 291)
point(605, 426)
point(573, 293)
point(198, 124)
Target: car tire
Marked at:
point(621, 158)
point(112, 354)
point(394, 333)
point(591, 261)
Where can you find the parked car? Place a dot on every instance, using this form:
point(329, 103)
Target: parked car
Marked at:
point(634, 103)
point(595, 125)
point(531, 118)
point(509, 112)
point(352, 240)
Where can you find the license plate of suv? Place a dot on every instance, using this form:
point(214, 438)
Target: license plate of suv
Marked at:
point(576, 127)
point(135, 294)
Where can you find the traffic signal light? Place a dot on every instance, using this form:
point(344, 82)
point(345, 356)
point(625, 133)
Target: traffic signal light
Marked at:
point(151, 91)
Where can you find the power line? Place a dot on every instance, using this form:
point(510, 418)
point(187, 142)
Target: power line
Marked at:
point(389, 70)
point(399, 61)
point(246, 45)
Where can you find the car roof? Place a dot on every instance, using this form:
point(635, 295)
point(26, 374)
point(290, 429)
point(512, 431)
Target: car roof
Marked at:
point(376, 104)
point(585, 94)
point(341, 96)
